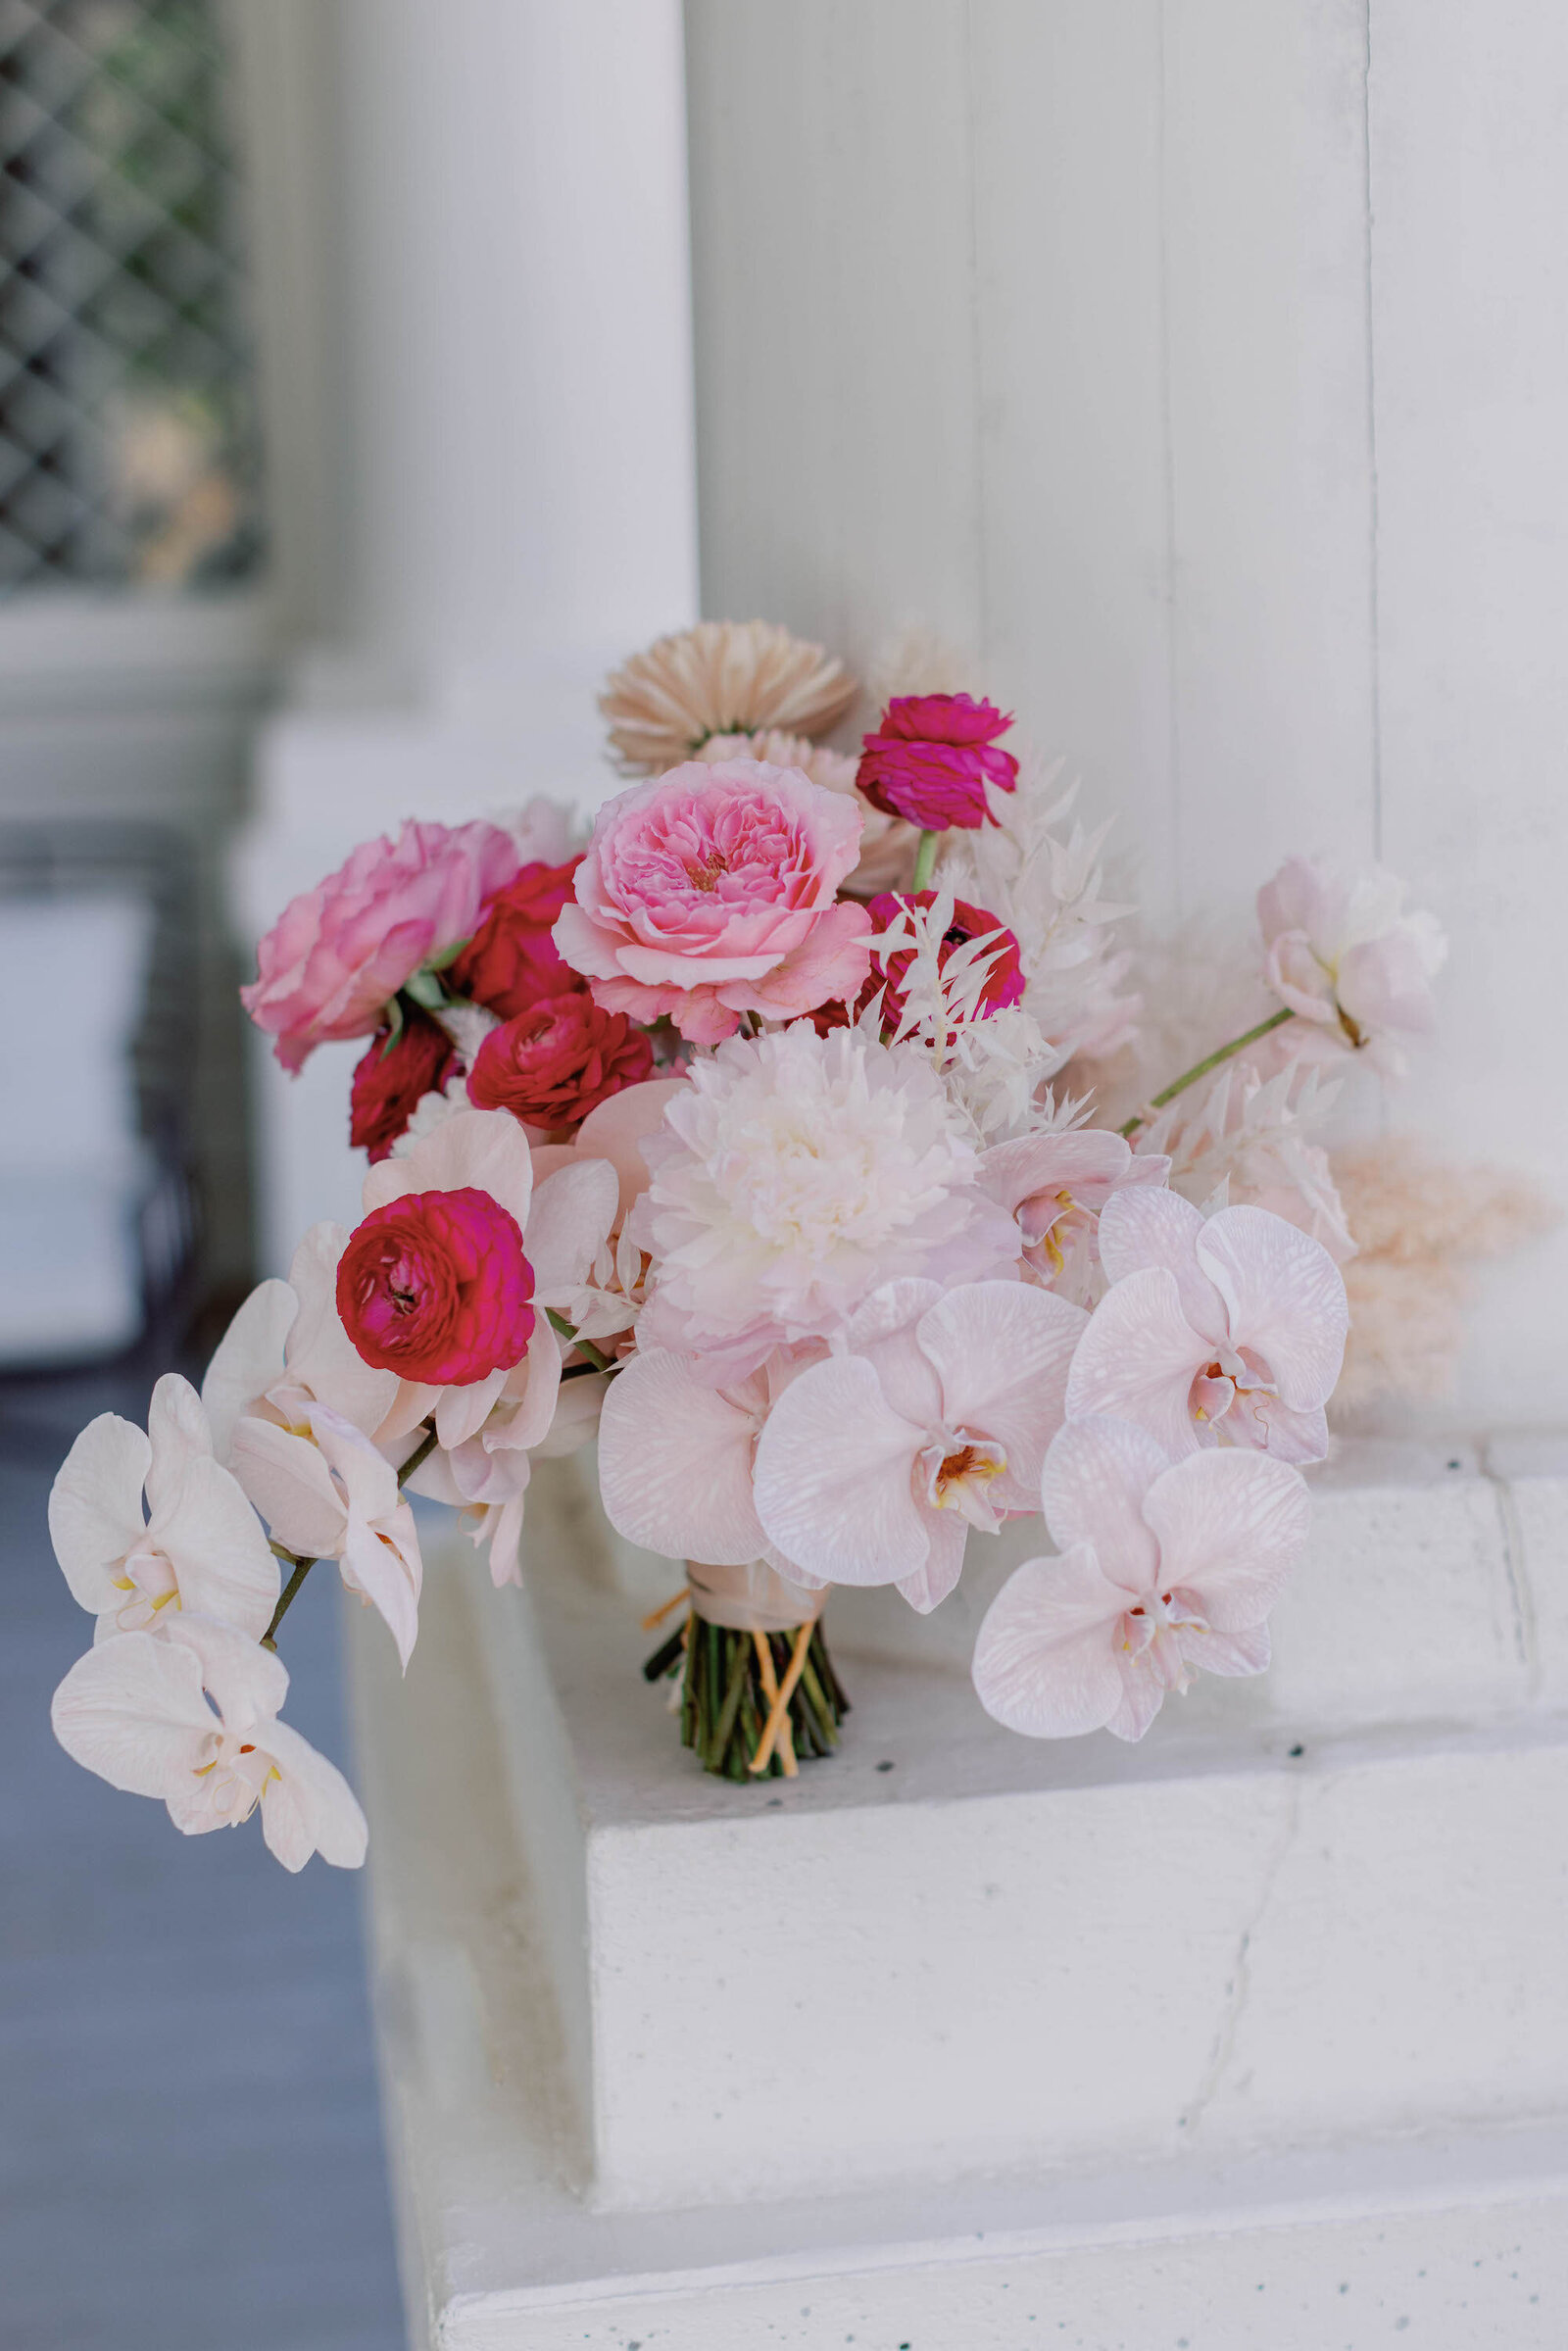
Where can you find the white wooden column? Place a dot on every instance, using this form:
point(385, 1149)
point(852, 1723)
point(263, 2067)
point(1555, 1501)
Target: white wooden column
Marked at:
point(499, 222)
point(1200, 366)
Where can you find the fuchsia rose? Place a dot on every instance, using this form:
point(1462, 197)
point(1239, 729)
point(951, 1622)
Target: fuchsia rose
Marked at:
point(434, 1286)
point(391, 1078)
point(558, 1061)
point(933, 758)
point(511, 959)
point(711, 892)
point(342, 950)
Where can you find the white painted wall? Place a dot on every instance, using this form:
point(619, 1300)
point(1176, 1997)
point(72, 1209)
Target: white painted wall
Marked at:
point(1203, 366)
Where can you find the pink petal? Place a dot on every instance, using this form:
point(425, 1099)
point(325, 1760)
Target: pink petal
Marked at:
point(1284, 1298)
point(311, 1808)
point(1002, 1350)
point(1097, 1474)
point(1143, 1226)
point(930, 1586)
point(1017, 1171)
point(834, 1469)
point(1045, 1662)
point(1230, 1653)
point(248, 1358)
point(1138, 1358)
point(1143, 1694)
point(617, 1129)
point(132, 1711)
point(568, 1222)
point(1230, 1525)
point(676, 1464)
point(95, 1512)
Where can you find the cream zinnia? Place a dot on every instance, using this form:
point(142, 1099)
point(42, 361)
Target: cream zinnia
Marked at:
point(794, 1174)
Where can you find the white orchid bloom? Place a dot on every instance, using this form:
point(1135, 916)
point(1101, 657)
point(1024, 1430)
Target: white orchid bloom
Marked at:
point(133, 1710)
point(198, 1547)
point(287, 1349)
point(327, 1494)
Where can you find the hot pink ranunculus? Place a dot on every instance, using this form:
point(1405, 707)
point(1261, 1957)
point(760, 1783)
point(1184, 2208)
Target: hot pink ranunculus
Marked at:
point(712, 891)
point(932, 758)
point(340, 952)
point(436, 1287)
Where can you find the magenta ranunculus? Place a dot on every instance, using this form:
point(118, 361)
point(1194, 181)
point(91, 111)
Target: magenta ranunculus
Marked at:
point(436, 1287)
point(712, 891)
point(1003, 983)
point(934, 757)
point(340, 952)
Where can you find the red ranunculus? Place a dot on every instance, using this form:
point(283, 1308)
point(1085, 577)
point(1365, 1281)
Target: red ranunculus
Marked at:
point(512, 961)
point(933, 757)
point(558, 1061)
point(436, 1287)
point(1005, 981)
point(389, 1080)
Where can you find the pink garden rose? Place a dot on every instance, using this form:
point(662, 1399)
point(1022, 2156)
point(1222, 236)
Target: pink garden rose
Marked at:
point(933, 757)
point(712, 891)
point(340, 952)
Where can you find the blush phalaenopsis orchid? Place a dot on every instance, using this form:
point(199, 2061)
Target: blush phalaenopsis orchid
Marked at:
point(196, 1546)
point(872, 1466)
point(133, 1710)
point(1056, 1185)
point(1165, 1569)
point(1220, 1330)
point(1343, 954)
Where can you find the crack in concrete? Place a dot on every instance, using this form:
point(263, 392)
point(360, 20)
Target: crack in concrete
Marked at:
point(1240, 1984)
point(1521, 1593)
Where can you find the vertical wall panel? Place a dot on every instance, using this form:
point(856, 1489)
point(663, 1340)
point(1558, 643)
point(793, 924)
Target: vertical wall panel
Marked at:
point(832, 226)
point(1265, 244)
point(1470, 316)
point(1067, 273)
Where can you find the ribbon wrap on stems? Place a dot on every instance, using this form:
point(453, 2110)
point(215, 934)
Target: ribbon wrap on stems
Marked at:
point(753, 1599)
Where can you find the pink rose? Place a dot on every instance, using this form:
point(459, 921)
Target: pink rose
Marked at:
point(934, 757)
point(711, 892)
point(436, 1287)
point(340, 952)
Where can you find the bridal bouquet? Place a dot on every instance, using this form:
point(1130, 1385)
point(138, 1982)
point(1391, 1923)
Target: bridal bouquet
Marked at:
point(756, 1138)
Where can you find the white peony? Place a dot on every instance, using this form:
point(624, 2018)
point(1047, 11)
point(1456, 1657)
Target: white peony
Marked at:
point(793, 1175)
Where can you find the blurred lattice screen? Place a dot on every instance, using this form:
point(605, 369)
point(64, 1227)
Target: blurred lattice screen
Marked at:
point(128, 449)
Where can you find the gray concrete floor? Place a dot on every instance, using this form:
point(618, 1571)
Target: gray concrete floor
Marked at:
point(191, 2149)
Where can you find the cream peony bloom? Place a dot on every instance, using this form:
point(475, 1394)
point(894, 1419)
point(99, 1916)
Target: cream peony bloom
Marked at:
point(198, 1547)
point(722, 677)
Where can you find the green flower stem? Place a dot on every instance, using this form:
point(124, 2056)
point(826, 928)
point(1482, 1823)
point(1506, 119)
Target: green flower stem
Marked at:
point(303, 1567)
point(584, 1347)
point(1200, 1069)
point(925, 857)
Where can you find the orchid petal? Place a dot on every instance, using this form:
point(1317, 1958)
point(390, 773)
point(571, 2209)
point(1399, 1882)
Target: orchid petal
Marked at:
point(1230, 1525)
point(247, 1684)
point(309, 1808)
point(483, 1150)
point(95, 1512)
point(322, 1359)
point(834, 1478)
point(1143, 1226)
point(290, 1482)
point(617, 1129)
point(1284, 1298)
point(930, 1585)
point(1045, 1662)
point(177, 1431)
point(676, 1464)
point(132, 1711)
point(1002, 1350)
point(461, 1411)
point(568, 1223)
point(1096, 1476)
point(248, 1359)
point(1137, 1359)
point(221, 1560)
point(1143, 1694)
point(1230, 1653)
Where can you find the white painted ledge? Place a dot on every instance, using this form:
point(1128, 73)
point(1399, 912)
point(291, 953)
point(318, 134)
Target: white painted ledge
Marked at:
point(1103, 2036)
